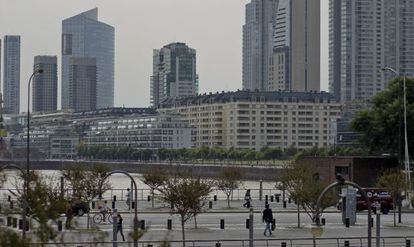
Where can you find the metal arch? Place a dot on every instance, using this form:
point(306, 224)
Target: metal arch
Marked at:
point(136, 197)
point(363, 193)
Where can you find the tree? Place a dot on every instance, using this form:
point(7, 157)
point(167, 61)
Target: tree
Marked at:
point(394, 182)
point(229, 180)
point(378, 123)
point(83, 184)
point(9, 238)
point(44, 203)
point(304, 188)
point(154, 178)
point(187, 196)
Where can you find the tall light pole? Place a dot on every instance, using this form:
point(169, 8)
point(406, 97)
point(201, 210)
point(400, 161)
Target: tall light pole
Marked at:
point(26, 181)
point(407, 168)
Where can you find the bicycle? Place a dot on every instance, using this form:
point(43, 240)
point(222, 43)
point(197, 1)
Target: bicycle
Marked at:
point(98, 218)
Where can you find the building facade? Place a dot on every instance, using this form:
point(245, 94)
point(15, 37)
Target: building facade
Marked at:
point(281, 45)
point(366, 36)
point(141, 132)
point(84, 36)
point(45, 85)
point(82, 84)
point(174, 73)
point(254, 120)
point(11, 74)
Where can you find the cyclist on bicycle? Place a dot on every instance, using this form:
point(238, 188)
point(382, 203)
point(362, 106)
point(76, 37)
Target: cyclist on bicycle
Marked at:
point(103, 209)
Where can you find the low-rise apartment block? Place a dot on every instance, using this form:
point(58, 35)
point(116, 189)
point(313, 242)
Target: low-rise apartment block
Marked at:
point(246, 119)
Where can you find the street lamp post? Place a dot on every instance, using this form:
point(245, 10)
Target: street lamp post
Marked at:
point(26, 181)
point(135, 199)
point(407, 168)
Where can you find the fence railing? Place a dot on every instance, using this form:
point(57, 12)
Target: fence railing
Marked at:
point(238, 194)
point(292, 242)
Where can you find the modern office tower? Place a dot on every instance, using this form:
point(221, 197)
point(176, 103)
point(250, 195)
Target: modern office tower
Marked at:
point(44, 92)
point(82, 84)
point(11, 74)
point(84, 36)
point(174, 73)
point(366, 36)
point(281, 45)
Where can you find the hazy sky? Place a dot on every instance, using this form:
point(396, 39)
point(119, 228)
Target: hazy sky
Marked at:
point(212, 27)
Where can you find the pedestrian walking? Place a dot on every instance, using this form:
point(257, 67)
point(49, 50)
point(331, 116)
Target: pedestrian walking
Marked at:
point(128, 198)
point(268, 219)
point(247, 199)
point(119, 227)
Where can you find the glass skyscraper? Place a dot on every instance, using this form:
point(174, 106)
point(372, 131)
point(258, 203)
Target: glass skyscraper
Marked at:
point(281, 45)
point(365, 36)
point(45, 84)
point(174, 73)
point(11, 73)
point(84, 36)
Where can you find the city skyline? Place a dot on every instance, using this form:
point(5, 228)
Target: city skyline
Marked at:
point(134, 45)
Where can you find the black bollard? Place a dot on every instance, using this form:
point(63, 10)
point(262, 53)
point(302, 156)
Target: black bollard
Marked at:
point(323, 221)
point(20, 224)
point(9, 221)
point(277, 198)
point(222, 224)
point(172, 205)
point(169, 224)
point(284, 244)
point(346, 244)
point(9, 198)
point(218, 245)
point(247, 223)
point(60, 226)
point(113, 205)
point(290, 200)
point(284, 204)
point(114, 199)
point(149, 198)
point(266, 197)
point(347, 222)
point(272, 198)
point(142, 225)
point(407, 243)
point(210, 204)
point(132, 205)
point(215, 198)
point(93, 204)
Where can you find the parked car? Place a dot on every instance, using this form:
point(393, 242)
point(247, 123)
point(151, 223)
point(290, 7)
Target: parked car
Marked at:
point(379, 199)
point(80, 208)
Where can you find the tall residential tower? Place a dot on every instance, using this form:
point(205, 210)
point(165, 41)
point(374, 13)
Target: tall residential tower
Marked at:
point(45, 85)
point(84, 36)
point(281, 45)
point(174, 73)
point(365, 36)
point(11, 74)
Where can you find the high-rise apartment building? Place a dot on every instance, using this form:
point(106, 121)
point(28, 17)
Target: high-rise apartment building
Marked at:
point(11, 74)
point(84, 36)
point(281, 45)
point(82, 84)
point(45, 84)
point(174, 73)
point(366, 36)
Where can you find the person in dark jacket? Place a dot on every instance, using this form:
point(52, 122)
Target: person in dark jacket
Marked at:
point(268, 219)
point(119, 226)
point(247, 199)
